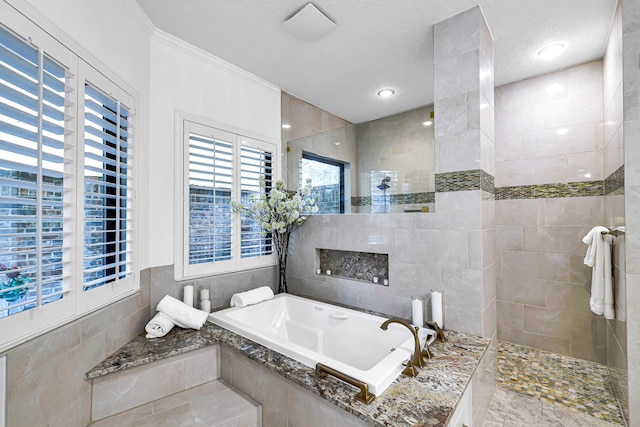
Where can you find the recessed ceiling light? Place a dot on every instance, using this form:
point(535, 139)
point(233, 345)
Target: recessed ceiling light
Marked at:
point(587, 175)
point(427, 123)
point(386, 93)
point(562, 131)
point(336, 143)
point(286, 126)
point(551, 51)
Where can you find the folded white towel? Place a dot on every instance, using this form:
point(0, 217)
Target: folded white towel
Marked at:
point(159, 326)
point(181, 314)
point(253, 296)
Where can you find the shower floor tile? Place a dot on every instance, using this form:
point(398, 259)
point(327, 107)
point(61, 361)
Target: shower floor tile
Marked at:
point(559, 380)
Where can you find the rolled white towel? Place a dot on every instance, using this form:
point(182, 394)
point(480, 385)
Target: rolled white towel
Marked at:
point(159, 326)
point(181, 314)
point(253, 296)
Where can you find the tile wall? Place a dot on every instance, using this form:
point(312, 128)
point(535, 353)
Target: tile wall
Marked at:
point(221, 287)
point(451, 249)
point(549, 132)
point(631, 110)
point(45, 376)
point(616, 330)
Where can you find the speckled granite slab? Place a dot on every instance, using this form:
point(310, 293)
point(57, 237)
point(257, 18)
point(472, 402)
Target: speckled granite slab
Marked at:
point(427, 400)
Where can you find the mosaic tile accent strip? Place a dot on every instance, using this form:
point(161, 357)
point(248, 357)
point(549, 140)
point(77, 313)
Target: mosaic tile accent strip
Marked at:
point(549, 191)
point(475, 179)
point(614, 183)
point(395, 199)
point(562, 380)
point(355, 265)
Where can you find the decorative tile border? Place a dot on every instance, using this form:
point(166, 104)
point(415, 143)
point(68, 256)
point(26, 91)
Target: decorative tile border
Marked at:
point(475, 179)
point(478, 179)
point(614, 183)
point(395, 199)
point(549, 191)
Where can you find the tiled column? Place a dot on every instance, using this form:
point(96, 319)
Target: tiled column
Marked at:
point(464, 133)
point(631, 135)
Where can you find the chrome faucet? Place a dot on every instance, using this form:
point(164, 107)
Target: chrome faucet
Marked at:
point(416, 359)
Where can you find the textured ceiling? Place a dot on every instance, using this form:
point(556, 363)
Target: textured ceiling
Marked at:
point(379, 43)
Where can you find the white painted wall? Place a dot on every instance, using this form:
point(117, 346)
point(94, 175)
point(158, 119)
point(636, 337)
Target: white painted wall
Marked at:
point(186, 79)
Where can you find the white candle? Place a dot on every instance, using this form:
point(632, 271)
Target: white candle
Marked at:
point(318, 271)
point(385, 282)
point(205, 305)
point(436, 308)
point(417, 308)
point(187, 295)
point(375, 279)
point(204, 294)
point(328, 272)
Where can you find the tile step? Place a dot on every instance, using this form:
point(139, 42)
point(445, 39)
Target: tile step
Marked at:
point(213, 404)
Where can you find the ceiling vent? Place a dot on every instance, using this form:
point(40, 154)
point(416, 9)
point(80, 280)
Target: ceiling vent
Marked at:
point(309, 23)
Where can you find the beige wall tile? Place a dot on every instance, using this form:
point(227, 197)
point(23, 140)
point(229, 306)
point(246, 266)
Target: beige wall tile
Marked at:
point(567, 297)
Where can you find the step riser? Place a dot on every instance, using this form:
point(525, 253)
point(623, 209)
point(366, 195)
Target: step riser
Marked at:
point(134, 387)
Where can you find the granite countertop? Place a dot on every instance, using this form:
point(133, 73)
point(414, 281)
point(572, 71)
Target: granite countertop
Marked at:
point(426, 400)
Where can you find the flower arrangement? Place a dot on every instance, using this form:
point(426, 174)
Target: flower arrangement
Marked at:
point(279, 212)
point(13, 279)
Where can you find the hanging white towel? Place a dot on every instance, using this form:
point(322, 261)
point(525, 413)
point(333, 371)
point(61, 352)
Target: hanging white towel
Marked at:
point(181, 314)
point(253, 296)
point(590, 239)
point(159, 326)
point(599, 257)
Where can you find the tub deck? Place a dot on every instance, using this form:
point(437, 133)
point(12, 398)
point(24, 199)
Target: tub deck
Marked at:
point(431, 397)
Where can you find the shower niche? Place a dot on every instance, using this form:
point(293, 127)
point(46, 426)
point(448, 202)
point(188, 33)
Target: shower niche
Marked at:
point(360, 266)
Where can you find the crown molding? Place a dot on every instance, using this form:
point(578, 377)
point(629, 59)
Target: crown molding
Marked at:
point(206, 57)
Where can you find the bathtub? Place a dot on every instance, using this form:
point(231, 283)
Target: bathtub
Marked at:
point(313, 332)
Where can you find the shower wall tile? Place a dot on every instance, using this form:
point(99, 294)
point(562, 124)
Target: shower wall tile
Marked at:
point(548, 128)
point(458, 35)
point(574, 211)
point(567, 297)
point(489, 290)
point(457, 151)
point(509, 237)
point(463, 288)
point(462, 74)
point(489, 319)
point(510, 315)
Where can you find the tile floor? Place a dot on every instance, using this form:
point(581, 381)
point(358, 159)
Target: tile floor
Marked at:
point(536, 387)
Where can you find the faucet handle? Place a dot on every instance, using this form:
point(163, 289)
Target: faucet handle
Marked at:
point(439, 332)
point(426, 353)
point(410, 370)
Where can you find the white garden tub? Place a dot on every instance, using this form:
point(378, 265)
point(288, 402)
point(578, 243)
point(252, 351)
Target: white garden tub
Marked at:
point(313, 332)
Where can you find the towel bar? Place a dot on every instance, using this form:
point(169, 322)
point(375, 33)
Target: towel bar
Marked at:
point(364, 396)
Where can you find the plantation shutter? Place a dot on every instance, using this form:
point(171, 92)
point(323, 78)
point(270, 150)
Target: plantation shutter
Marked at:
point(255, 164)
point(108, 192)
point(36, 178)
point(210, 190)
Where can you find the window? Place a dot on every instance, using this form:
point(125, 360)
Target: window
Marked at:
point(327, 178)
point(219, 166)
point(66, 176)
point(107, 190)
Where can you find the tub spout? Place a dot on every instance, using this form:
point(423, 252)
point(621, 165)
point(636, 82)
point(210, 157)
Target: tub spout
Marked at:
point(416, 359)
